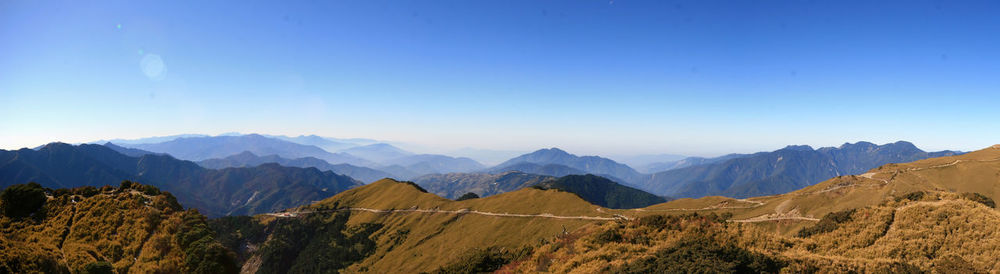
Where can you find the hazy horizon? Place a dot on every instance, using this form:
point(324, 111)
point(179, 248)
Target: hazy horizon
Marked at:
point(619, 156)
point(698, 78)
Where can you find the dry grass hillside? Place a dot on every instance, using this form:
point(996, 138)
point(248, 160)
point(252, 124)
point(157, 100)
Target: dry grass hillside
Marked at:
point(414, 231)
point(130, 229)
point(940, 233)
point(974, 172)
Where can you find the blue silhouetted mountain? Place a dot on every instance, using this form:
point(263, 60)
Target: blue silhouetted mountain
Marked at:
point(686, 162)
point(327, 144)
point(586, 164)
point(133, 152)
point(203, 148)
point(421, 164)
point(554, 170)
point(147, 140)
point(453, 185)
point(379, 153)
point(230, 191)
point(603, 191)
point(780, 171)
point(248, 159)
point(643, 160)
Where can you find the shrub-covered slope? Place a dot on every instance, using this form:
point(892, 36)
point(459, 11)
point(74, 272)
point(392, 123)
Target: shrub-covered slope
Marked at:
point(939, 232)
point(132, 228)
point(407, 231)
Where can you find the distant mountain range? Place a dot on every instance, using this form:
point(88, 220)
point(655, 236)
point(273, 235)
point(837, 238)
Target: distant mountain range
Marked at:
point(587, 164)
point(592, 188)
point(203, 148)
point(686, 162)
point(328, 144)
point(929, 216)
point(639, 162)
point(733, 175)
point(366, 162)
point(433, 163)
point(780, 171)
point(555, 170)
point(231, 191)
point(248, 159)
point(453, 185)
point(380, 152)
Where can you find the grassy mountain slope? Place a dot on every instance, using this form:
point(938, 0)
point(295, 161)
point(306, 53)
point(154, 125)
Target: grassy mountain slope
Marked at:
point(942, 233)
point(931, 215)
point(408, 242)
point(973, 172)
point(133, 229)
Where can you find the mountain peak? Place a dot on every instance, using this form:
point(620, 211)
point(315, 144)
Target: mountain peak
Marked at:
point(904, 143)
point(859, 143)
point(245, 153)
point(553, 150)
point(798, 148)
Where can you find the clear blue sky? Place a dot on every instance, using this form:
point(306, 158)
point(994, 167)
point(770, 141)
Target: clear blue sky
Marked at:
point(688, 77)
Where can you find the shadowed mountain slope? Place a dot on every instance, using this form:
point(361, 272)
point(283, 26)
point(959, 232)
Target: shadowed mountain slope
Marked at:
point(602, 191)
point(586, 164)
point(780, 171)
point(249, 190)
point(453, 185)
point(248, 159)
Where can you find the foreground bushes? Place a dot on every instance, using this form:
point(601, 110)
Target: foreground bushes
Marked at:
point(485, 260)
point(21, 200)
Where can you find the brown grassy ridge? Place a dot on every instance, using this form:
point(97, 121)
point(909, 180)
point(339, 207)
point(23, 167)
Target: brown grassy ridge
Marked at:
point(409, 242)
point(136, 229)
point(977, 172)
point(938, 233)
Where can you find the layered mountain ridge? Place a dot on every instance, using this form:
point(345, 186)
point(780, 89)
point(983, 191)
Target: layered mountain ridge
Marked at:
point(248, 190)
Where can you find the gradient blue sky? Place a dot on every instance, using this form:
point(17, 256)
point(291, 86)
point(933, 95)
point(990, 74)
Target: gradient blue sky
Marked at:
point(593, 77)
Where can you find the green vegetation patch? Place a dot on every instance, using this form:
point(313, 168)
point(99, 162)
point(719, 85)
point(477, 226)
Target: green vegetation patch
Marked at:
point(22, 200)
point(468, 196)
point(485, 260)
point(703, 255)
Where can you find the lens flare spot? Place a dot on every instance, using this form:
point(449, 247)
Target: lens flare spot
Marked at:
point(153, 67)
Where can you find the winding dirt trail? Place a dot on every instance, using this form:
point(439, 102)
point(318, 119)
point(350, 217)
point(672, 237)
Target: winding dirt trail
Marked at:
point(758, 220)
point(762, 218)
point(461, 211)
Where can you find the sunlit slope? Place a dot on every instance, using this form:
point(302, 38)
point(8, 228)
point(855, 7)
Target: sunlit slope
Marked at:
point(977, 172)
point(423, 241)
point(132, 229)
point(932, 233)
